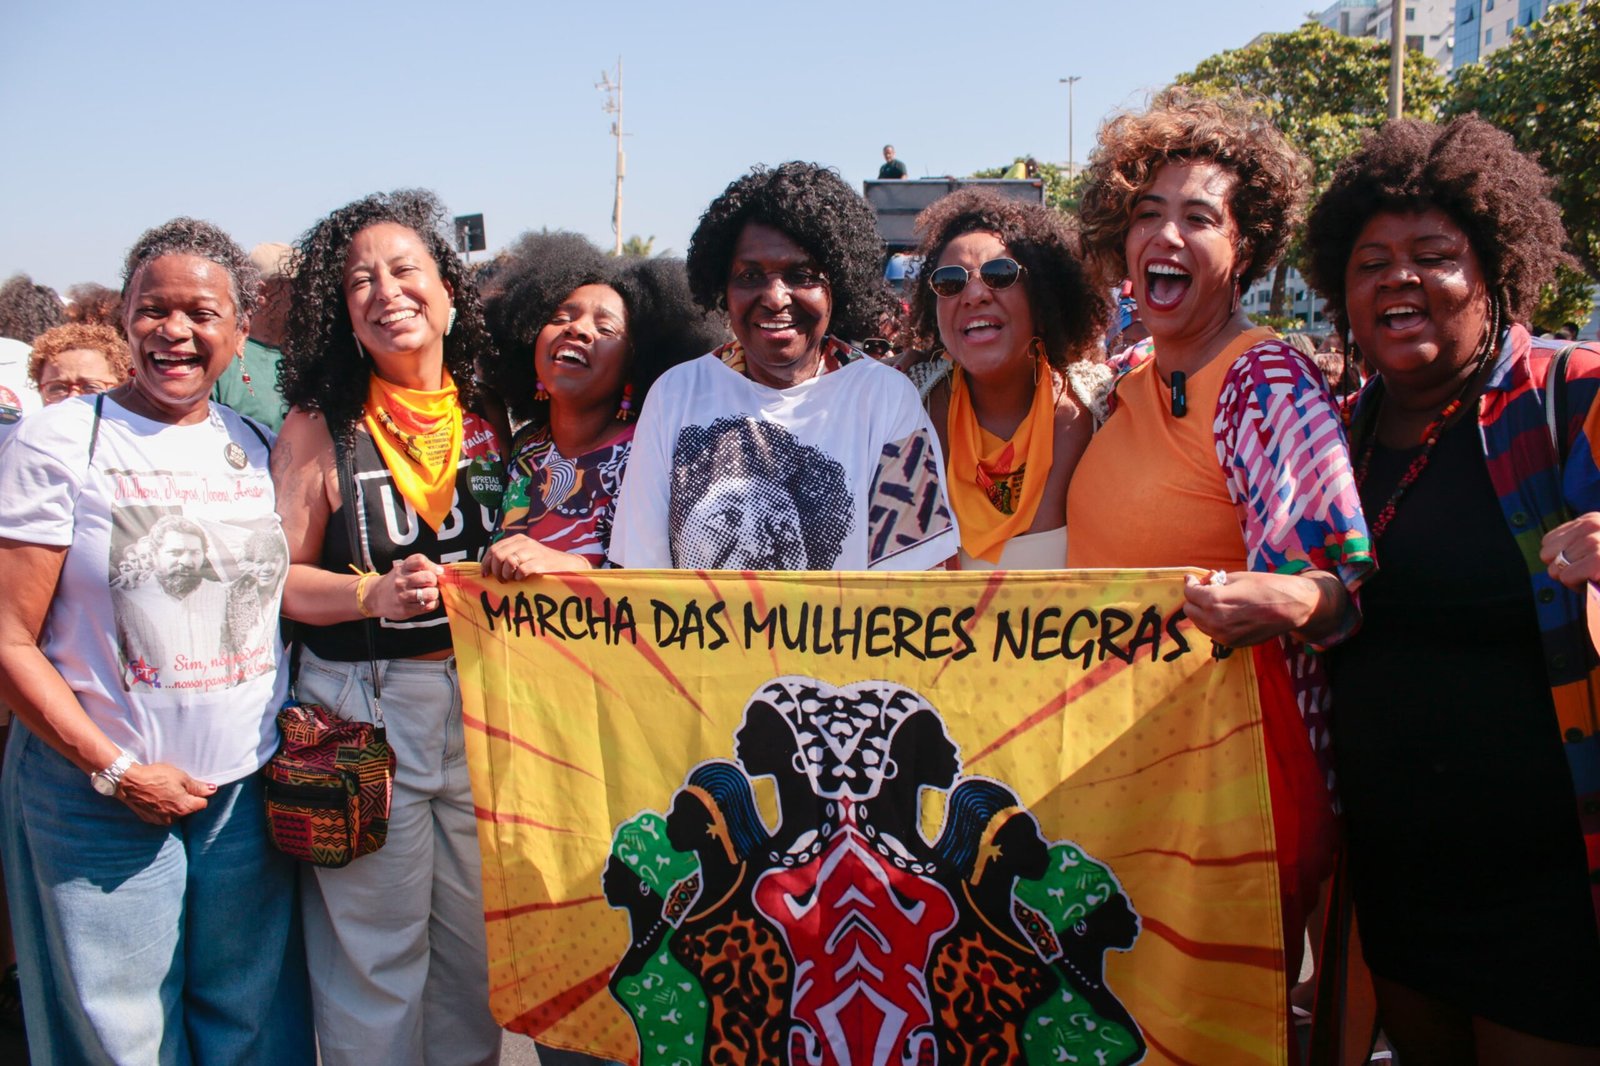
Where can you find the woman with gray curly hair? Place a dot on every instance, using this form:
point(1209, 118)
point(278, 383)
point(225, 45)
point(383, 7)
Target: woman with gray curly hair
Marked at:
point(134, 832)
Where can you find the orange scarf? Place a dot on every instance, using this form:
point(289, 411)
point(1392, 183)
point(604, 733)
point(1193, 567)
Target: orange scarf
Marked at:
point(996, 485)
point(418, 433)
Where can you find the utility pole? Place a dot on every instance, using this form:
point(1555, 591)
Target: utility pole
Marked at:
point(613, 106)
point(1397, 56)
point(1072, 167)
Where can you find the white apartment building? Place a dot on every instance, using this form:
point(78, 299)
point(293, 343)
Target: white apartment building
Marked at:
point(1429, 24)
point(1298, 300)
point(1481, 26)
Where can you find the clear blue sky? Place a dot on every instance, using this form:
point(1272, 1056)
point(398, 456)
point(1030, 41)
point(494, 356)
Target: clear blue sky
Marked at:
point(264, 116)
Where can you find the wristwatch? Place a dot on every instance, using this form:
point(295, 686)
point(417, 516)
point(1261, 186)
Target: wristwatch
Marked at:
point(107, 781)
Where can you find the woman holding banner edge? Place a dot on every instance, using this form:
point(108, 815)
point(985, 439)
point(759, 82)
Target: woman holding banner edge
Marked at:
point(1213, 423)
point(580, 339)
point(383, 334)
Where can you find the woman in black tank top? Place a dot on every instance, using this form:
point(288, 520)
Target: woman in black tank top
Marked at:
point(384, 332)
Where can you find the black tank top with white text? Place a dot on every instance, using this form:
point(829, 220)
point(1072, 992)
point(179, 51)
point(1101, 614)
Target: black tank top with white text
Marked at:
point(391, 529)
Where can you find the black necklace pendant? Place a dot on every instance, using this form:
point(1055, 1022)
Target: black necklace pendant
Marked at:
point(1180, 398)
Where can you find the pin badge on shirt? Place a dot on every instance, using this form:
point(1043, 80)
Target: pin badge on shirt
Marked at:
point(234, 453)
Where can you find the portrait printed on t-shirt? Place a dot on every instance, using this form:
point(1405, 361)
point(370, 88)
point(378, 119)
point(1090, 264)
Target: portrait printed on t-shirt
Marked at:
point(194, 599)
point(747, 495)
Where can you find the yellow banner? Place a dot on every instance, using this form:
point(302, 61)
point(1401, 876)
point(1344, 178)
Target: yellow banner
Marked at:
point(859, 818)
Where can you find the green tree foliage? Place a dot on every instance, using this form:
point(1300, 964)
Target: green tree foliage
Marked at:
point(1544, 89)
point(639, 247)
point(1060, 191)
point(1570, 299)
point(1323, 90)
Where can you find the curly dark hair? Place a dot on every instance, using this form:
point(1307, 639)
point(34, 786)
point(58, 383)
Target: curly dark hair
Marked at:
point(541, 270)
point(93, 304)
point(27, 310)
point(1469, 170)
point(203, 240)
point(1183, 127)
point(819, 212)
point(740, 447)
point(98, 338)
point(322, 369)
point(1069, 309)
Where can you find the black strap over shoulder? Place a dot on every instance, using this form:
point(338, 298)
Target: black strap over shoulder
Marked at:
point(94, 428)
point(344, 461)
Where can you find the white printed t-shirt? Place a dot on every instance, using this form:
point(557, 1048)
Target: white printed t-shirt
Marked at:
point(165, 617)
point(841, 472)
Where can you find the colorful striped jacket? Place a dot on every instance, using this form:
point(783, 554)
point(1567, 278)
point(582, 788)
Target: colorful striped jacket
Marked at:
point(1523, 468)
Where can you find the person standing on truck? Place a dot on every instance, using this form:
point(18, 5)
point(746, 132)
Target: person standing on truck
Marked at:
point(892, 168)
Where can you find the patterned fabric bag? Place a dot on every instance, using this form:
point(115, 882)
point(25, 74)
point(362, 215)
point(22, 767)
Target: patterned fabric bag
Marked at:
point(329, 786)
point(331, 781)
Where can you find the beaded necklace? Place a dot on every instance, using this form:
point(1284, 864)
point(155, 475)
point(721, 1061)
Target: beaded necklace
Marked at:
point(1430, 437)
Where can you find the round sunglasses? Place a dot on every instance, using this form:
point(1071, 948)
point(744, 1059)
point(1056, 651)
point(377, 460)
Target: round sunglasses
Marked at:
point(995, 274)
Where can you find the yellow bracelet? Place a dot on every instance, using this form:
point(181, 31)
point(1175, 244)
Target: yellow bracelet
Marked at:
point(361, 596)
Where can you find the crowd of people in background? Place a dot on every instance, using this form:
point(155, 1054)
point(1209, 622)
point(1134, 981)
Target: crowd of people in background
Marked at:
point(1399, 521)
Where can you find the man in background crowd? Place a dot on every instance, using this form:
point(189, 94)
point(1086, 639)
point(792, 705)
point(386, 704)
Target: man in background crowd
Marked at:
point(250, 385)
point(892, 167)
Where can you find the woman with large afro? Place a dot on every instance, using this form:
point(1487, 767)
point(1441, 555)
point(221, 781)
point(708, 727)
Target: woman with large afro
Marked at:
point(1464, 725)
point(580, 339)
point(792, 257)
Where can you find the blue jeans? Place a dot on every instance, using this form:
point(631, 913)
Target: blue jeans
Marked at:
point(147, 944)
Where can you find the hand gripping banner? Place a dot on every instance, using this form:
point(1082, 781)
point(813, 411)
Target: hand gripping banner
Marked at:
point(869, 820)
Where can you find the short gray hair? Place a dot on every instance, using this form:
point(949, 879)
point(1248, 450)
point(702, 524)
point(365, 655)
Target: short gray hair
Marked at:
point(204, 240)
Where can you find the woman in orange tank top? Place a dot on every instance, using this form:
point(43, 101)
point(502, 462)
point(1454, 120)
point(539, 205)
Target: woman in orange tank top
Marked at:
point(1223, 449)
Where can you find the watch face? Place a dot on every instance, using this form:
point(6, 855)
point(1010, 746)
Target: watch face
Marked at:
point(103, 785)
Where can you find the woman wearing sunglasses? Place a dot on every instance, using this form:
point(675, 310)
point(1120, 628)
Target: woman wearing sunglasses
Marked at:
point(787, 448)
point(1223, 449)
point(1010, 302)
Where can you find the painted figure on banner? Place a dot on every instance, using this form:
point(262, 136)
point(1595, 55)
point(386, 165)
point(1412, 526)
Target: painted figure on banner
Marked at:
point(843, 934)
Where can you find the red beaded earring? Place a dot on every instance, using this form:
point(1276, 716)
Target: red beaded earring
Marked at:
point(625, 412)
point(244, 375)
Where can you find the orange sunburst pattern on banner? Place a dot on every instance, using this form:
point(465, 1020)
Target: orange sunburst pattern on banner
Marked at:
point(732, 817)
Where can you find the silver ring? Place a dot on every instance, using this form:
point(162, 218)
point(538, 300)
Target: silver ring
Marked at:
point(1562, 560)
point(419, 597)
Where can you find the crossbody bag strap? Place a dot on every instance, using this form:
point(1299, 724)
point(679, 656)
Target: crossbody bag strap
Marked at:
point(94, 429)
point(344, 459)
point(1555, 406)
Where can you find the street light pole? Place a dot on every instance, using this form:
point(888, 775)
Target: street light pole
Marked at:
point(1069, 83)
point(613, 106)
point(1397, 57)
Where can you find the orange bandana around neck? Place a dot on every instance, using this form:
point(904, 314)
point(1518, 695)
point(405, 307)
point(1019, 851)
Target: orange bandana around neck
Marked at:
point(996, 485)
point(418, 433)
